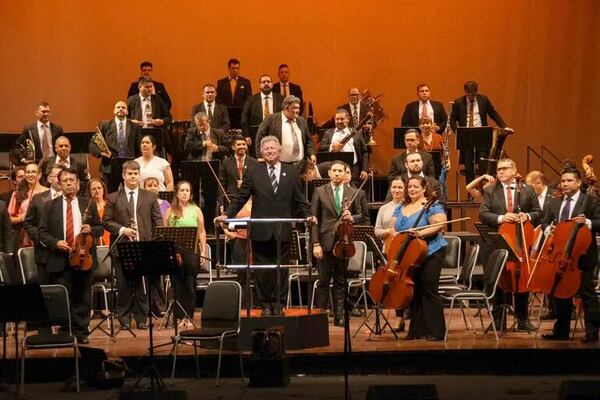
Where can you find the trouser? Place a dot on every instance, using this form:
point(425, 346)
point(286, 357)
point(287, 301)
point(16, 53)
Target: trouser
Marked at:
point(131, 298)
point(79, 286)
point(265, 252)
point(239, 257)
point(330, 266)
point(184, 285)
point(591, 308)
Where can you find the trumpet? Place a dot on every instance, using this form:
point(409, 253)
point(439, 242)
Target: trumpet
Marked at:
point(98, 140)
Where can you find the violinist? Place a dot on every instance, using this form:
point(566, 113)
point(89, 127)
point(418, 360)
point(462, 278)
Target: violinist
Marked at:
point(579, 206)
point(426, 308)
point(498, 206)
point(62, 221)
point(330, 204)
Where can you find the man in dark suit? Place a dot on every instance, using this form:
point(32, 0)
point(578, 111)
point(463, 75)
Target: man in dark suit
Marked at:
point(358, 110)
point(62, 220)
point(158, 88)
point(332, 139)
point(415, 110)
point(5, 228)
point(414, 166)
point(217, 113)
point(277, 193)
point(42, 132)
point(328, 206)
point(133, 213)
point(233, 91)
point(576, 205)
point(260, 106)
point(123, 139)
point(233, 169)
point(285, 87)
point(203, 142)
point(146, 109)
point(62, 148)
point(498, 207)
point(412, 140)
point(291, 130)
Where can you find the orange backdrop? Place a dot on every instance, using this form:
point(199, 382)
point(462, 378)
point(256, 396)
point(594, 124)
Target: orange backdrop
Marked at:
point(536, 59)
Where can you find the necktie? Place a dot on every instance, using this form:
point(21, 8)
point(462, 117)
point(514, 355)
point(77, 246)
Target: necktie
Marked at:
point(471, 112)
point(273, 178)
point(121, 140)
point(130, 205)
point(147, 112)
point(354, 116)
point(240, 167)
point(210, 113)
point(286, 92)
point(232, 86)
point(566, 211)
point(424, 110)
point(296, 145)
point(266, 111)
point(70, 236)
point(46, 146)
point(509, 199)
point(338, 201)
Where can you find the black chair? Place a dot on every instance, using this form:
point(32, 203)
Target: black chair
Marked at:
point(451, 265)
point(220, 319)
point(27, 264)
point(7, 270)
point(56, 298)
point(102, 278)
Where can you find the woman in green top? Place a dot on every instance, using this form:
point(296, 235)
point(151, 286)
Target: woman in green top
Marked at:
point(185, 213)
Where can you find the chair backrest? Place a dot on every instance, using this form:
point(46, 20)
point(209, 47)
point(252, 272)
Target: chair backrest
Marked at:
point(466, 272)
point(222, 302)
point(56, 298)
point(7, 266)
point(358, 261)
point(206, 265)
point(452, 259)
point(102, 273)
point(28, 266)
point(492, 271)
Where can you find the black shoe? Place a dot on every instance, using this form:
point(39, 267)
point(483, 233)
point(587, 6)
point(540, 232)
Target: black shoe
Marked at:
point(555, 336)
point(525, 325)
point(401, 326)
point(277, 312)
point(142, 325)
point(590, 337)
point(125, 324)
point(266, 312)
point(357, 313)
point(82, 339)
point(338, 321)
point(434, 339)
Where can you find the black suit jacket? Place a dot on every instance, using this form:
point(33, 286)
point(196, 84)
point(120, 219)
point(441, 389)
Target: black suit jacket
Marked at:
point(194, 144)
point(220, 119)
point(271, 126)
point(323, 207)
point(459, 112)
point(55, 130)
point(412, 114)
point(32, 223)
point(109, 130)
point(243, 91)
point(252, 114)
point(159, 109)
point(51, 231)
point(5, 228)
point(159, 88)
point(228, 174)
point(494, 204)
point(399, 165)
point(81, 168)
point(295, 90)
point(288, 202)
point(360, 148)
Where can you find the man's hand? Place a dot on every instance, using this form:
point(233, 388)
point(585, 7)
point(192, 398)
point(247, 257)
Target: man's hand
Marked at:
point(346, 215)
point(367, 127)
point(137, 122)
point(317, 251)
point(363, 175)
point(220, 219)
point(62, 245)
point(249, 140)
point(313, 159)
point(86, 228)
point(106, 155)
point(130, 233)
point(580, 219)
point(337, 146)
point(313, 220)
point(158, 122)
point(213, 148)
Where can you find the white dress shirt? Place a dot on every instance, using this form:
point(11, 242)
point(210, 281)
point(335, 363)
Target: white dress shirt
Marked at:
point(287, 143)
point(337, 136)
point(136, 193)
point(67, 163)
point(76, 216)
point(542, 197)
point(428, 107)
point(146, 116)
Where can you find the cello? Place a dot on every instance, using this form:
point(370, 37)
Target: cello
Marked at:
point(408, 252)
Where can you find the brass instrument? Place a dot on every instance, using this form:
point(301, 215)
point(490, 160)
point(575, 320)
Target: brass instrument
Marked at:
point(24, 152)
point(375, 114)
point(498, 137)
point(98, 140)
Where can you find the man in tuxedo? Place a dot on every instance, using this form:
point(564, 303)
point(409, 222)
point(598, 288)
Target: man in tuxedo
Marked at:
point(328, 206)
point(42, 132)
point(285, 87)
point(414, 166)
point(233, 169)
point(291, 130)
point(260, 106)
point(123, 139)
point(233, 91)
point(585, 210)
point(332, 142)
point(158, 88)
point(217, 113)
point(133, 213)
point(277, 193)
point(498, 207)
point(412, 139)
point(424, 107)
point(34, 215)
point(62, 220)
point(62, 149)
point(202, 142)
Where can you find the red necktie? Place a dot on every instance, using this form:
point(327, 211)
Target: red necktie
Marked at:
point(424, 110)
point(509, 199)
point(70, 235)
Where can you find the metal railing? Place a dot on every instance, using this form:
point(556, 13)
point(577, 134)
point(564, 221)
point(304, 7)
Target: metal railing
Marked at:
point(548, 161)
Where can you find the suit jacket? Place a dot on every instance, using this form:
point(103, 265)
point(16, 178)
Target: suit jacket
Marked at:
point(432, 184)
point(360, 148)
point(159, 109)
point(51, 231)
point(252, 114)
point(399, 165)
point(48, 162)
point(288, 202)
point(5, 228)
point(459, 112)
point(243, 91)
point(32, 223)
point(220, 119)
point(159, 88)
point(323, 207)
point(412, 114)
point(116, 214)
point(109, 130)
point(194, 144)
point(591, 209)
point(271, 126)
point(494, 204)
point(229, 175)
point(295, 90)
point(55, 131)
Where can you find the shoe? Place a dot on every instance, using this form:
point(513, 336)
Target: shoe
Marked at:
point(125, 325)
point(525, 325)
point(357, 313)
point(338, 321)
point(434, 339)
point(276, 313)
point(554, 336)
point(401, 326)
point(142, 325)
point(590, 337)
point(266, 312)
point(82, 339)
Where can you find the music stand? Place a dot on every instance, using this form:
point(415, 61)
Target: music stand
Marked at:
point(329, 156)
point(474, 141)
point(235, 116)
point(151, 259)
point(310, 186)
point(204, 184)
point(437, 162)
point(164, 195)
point(157, 134)
point(399, 136)
point(116, 172)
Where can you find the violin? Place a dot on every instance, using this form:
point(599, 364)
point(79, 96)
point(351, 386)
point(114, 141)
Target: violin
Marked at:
point(408, 252)
point(81, 257)
point(344, 246)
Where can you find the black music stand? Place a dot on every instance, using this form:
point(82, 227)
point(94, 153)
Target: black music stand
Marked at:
point(80, 141)
point(310, 186)
point(157, 134)
point(399, 135)
point(235, 116)
point(471, 142)
point(164, 195)
point(204, 185)
point(330, 156)
point(151, 259)
point(116, 172)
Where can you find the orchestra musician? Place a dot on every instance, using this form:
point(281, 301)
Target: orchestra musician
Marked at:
point(96, 190)
point(203, 143)
point(152, 165)
point(425, 107)
point(260, 106)
point(430, 141)
point(233, 91)
point(63, 219)
point(42, 132)
point(147, 110)
point(357, 110)
point(412, 140)
point(218, 116)
point(476, 187)
point(285, 87)
point(384, 225)
point(158, 88)
point(535, 179)
point(233, 169)
point(62, 149)
point(414, 167)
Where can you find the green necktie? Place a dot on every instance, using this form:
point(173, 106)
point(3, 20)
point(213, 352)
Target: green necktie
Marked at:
point(338, 201)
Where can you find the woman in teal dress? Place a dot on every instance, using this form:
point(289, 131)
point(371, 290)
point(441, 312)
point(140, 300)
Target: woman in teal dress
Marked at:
point(426, 308)
point(185, 213)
